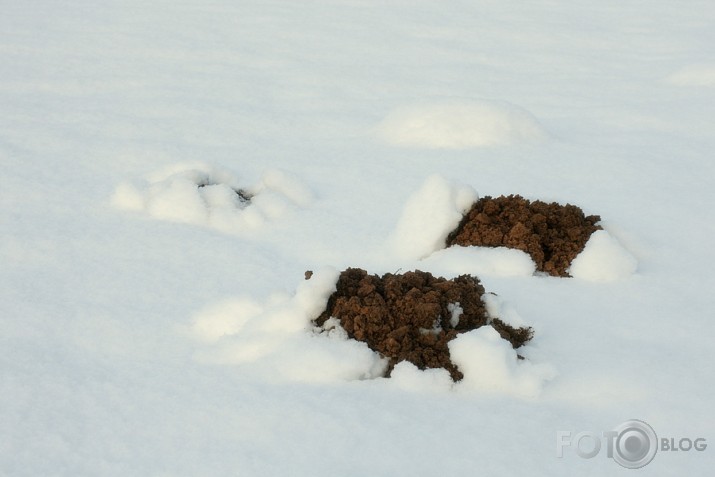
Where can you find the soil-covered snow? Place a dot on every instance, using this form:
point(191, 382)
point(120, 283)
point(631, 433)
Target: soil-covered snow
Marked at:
point(170, 170)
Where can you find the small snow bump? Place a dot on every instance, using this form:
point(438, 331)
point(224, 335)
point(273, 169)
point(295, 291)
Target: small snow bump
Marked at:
point(490, 365)
point(460, 125)
point(603, 259)
point(428, 217)
point(694, 75)
point(205, 195)
point(456, 312)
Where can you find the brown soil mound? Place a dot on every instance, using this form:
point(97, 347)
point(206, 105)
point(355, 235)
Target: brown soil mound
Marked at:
point(553, 234)
point(412, 316)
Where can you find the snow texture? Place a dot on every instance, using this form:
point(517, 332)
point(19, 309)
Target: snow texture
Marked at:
point(408, 377)
point(694, 75)
point(205, 195)
point(275, 339)
point(137, 340)
point(429, 215)
point(603, 259)
point(490, 365)
point(460, 125)
point(497, 307)
point(455, 311)
point(479, 261)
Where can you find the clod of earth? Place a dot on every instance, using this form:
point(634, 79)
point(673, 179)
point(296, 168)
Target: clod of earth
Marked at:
point(553, 234)
point(412, 316)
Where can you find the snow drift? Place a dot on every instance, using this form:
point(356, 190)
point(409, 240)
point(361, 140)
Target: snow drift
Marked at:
point(428, 216)
point(603, 259)
point(460, 125)
point(274, 339)
point(702, 74)
point(210, 196)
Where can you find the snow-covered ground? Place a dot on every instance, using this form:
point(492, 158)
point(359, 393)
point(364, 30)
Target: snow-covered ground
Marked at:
point(149, 327)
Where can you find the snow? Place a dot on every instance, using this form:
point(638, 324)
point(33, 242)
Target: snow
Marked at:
point(152, 327)
point(429, 215)
point(460, 124)
point(480, 261)
point(275, 339)
point(201, 194)
point(694, 75)
point(497, 307)
point(406, 376)
point(490, 365)
point(603, 259)
point(455, 310)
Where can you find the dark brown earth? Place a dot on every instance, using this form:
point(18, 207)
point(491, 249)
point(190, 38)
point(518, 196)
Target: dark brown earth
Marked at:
point(408, 316)
point(553, 234)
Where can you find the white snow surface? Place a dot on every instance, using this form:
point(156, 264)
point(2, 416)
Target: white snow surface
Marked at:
point(603, 259)
point(702, 74)
point(480, 261)
point(276, 340)
point(152, 327)
point(429, 215)
point(460, 124)
point(201, 194)
point(490, 366)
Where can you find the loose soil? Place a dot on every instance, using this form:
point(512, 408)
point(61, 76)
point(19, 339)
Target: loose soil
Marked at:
point(553, 234)
point(412, 316)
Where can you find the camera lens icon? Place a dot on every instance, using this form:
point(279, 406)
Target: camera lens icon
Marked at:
point(635, 444)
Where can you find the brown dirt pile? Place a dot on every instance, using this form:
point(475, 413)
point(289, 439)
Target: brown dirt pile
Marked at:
point(412, 316)
point(553, 234)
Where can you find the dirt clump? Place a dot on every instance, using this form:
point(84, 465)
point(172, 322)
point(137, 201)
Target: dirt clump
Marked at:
point(412, 316)
point(552, 234)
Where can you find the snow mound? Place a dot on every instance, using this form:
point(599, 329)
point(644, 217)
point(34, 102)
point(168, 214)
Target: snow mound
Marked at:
point(491, 365)
point(603, 259)
point(479, 261)
point(201, 194)
point(694, 75)
point(409, 377)
point(460, 125)
point(275, 339)
point(428, 217)
point(505, 311)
